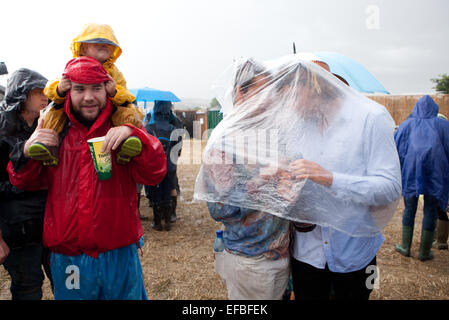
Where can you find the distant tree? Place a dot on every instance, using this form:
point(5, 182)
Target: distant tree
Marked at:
point(214, 103)
point(442, 83)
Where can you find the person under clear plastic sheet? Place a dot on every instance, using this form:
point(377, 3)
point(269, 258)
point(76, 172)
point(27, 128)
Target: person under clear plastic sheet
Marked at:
point(336, 167)
point(255, 263)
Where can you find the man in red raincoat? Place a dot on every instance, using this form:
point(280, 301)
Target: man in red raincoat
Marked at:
point(91, 226)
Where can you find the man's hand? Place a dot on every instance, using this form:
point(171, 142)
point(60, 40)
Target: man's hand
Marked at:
point(115, 137)
point(48, 137)
point(110, 87)
point(305, 169)
point(4, 249)
point(64, 85)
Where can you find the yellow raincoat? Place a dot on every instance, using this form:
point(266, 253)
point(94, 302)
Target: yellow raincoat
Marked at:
point(55, 118)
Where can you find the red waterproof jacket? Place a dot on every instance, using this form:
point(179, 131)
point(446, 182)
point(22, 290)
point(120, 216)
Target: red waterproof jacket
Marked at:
point(85, 214)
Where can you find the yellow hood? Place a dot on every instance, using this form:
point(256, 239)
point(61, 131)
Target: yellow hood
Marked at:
point(92, 31)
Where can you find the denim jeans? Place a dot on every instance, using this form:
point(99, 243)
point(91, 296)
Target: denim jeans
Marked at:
point(24, 266)
point(430, 212)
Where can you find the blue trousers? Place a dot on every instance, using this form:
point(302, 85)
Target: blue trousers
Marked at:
point(430, 212)
point(114, 275)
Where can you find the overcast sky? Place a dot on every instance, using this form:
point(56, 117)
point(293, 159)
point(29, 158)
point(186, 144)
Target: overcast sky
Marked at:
point(183, 46)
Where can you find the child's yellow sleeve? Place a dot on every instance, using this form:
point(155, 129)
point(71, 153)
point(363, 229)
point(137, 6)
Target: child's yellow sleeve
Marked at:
point(51, 92)
point(122, 95)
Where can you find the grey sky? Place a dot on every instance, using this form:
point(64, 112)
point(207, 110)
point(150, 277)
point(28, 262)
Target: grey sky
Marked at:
point(184, 46)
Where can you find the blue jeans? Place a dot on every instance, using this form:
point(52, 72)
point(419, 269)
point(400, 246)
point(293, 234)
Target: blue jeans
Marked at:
point(430, 212)
point(114, 275)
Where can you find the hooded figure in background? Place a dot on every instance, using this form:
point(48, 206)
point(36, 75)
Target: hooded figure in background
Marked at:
point(22, 212)
point(160, 196)
point(423, 146)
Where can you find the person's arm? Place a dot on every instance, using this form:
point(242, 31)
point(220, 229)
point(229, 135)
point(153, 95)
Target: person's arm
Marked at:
point(147, 168)
point(7, 190)
point(227, 213)
point(51, 91)
point(381, 184)
point(4, 249)
point(25, 173)
point(122, 94)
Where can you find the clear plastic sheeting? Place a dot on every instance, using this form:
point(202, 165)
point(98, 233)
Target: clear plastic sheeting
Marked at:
point(289, 115)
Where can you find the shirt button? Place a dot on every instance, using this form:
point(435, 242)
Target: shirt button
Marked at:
point(325, 242)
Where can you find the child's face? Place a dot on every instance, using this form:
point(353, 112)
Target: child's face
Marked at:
point(99, 51)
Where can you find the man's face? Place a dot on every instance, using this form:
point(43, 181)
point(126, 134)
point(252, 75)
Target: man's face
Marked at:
point(99, 51)
point(36, 101)
point(88, 99)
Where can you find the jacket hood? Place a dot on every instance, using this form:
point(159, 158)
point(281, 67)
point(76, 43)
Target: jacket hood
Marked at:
point(425, 108)
point(96, 33)
point(102, 118)
point(19, 84)
point(162, 110)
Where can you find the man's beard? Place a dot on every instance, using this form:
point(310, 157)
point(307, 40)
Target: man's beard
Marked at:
point(86, 122)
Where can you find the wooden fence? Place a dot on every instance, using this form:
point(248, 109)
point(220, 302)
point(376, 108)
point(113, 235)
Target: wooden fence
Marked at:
point(400, 106)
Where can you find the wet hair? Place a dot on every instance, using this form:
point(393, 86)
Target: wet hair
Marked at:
point(246, 75)
point(298, 75)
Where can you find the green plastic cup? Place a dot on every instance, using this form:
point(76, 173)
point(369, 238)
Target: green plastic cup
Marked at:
point(102, 161)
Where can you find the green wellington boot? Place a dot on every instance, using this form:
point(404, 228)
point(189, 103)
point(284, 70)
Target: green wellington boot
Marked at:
point(407, 237)
point(426, 244)
point(39, 151)
point(442, 235)
point(130, 148)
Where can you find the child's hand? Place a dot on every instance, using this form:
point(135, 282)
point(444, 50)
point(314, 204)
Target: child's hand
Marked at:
point(64, 85)
point(110, 87)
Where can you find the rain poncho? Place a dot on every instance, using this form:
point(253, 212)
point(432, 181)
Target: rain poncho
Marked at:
point(423, 146)
point(290, 109)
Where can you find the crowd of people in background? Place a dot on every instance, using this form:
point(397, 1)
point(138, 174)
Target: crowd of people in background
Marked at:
point(55, 213)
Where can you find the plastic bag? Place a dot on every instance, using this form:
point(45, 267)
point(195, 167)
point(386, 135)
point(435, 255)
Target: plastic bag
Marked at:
point(281, 111)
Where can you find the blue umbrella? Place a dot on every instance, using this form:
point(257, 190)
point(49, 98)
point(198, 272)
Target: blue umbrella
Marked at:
point(353, 72)
point(149, 94)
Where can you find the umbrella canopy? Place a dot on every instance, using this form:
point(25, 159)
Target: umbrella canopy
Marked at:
point(353, 72)
point(150, 94)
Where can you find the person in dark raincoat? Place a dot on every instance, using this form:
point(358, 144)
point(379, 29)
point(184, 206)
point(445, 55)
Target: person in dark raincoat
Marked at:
point(22, 212)
point(160, 196)
point(423, 147)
